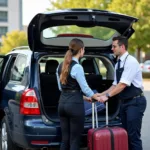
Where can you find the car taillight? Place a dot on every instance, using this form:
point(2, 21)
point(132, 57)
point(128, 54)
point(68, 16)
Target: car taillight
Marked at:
point(149, 68)
point(29, 104)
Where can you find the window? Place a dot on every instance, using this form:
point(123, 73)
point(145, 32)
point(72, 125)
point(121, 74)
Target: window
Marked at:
point(3, 66)
point(8, 70)
point(102, 68)
point(3, 16)
point(147, 62)
point(45, 59)
point(3, 31)
point(1, 63)
point(106, 68)
point(98, 32)
point(18, 69)
point(3, 3)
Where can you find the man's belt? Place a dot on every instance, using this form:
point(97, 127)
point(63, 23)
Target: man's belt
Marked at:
point(128, 99)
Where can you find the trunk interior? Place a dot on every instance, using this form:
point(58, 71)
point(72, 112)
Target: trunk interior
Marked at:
point(50, 92)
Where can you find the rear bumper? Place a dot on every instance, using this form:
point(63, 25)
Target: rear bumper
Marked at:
point(29, 132)
point(34, 133)
point(25, 140)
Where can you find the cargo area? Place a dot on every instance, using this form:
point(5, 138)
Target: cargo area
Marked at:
point(99, 73)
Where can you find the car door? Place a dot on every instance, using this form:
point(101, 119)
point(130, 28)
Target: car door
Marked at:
point(15, 82)
point(15, 85)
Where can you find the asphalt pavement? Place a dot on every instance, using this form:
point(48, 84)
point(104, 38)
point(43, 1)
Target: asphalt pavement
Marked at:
point(146, 118)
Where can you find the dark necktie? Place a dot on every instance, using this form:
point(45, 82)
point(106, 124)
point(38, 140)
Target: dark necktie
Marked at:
point(119, 64)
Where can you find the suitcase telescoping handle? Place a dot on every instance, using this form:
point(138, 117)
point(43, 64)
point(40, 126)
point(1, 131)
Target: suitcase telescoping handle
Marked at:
point(106, 113)
point(95, 115)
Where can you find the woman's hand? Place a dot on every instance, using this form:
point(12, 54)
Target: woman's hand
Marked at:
point(96, 96)
point(88, 99)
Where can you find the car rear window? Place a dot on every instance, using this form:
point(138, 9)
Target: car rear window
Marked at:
point(102, 33)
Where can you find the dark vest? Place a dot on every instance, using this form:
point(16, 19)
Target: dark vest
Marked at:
point(128, 92)
point(72, 84)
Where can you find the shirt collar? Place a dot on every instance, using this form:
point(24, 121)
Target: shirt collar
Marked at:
point(75, 59)
point(123, 57)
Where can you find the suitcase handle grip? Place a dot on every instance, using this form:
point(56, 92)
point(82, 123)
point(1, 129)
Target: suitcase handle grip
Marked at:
point(94, 100)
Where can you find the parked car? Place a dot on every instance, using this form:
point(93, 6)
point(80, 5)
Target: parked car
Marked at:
point(141, 66)
point(146, 66)
point(28, 87)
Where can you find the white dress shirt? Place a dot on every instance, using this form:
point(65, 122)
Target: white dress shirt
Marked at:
point(132, 72)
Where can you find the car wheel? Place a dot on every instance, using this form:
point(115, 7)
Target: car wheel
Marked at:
point(5, 140)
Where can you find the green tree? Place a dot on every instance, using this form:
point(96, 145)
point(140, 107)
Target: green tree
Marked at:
point(140, 9)
point(13, 39)
point(64, 4)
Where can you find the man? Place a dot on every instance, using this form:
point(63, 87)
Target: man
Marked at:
point(128, 85)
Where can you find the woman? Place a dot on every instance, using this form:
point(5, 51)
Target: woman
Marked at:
point(71, 82)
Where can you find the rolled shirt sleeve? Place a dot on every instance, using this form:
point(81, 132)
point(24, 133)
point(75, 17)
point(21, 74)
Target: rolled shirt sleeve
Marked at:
point(130, 72)
point(78, 74)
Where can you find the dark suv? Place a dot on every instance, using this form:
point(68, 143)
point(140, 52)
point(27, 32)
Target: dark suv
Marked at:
point(28, 87)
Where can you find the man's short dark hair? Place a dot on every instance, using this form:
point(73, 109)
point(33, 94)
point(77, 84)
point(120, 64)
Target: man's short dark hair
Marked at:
point(122, 40)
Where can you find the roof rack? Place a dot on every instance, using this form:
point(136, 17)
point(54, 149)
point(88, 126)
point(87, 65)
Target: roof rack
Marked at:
point(21, 48)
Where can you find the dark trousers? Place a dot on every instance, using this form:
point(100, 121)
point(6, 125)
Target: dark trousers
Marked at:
point(72, 124)
point(131, 113)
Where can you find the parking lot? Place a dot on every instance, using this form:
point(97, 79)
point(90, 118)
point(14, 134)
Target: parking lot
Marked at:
point(146, 120)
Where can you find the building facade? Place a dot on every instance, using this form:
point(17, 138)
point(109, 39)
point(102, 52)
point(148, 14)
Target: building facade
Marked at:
point(10, 16)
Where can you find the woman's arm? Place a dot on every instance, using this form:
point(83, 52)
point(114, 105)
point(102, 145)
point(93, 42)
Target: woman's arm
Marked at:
point(78, 74)
point(58, 79)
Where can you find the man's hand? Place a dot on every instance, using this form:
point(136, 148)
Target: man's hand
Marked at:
point(103, 98)
point(99, 94)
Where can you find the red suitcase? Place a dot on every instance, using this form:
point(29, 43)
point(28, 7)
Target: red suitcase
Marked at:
point(106, 138)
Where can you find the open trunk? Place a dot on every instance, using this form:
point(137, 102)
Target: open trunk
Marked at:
point(50, 92)
point(52, 31)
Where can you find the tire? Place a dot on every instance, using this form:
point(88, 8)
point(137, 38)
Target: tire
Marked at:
point(5, 140)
